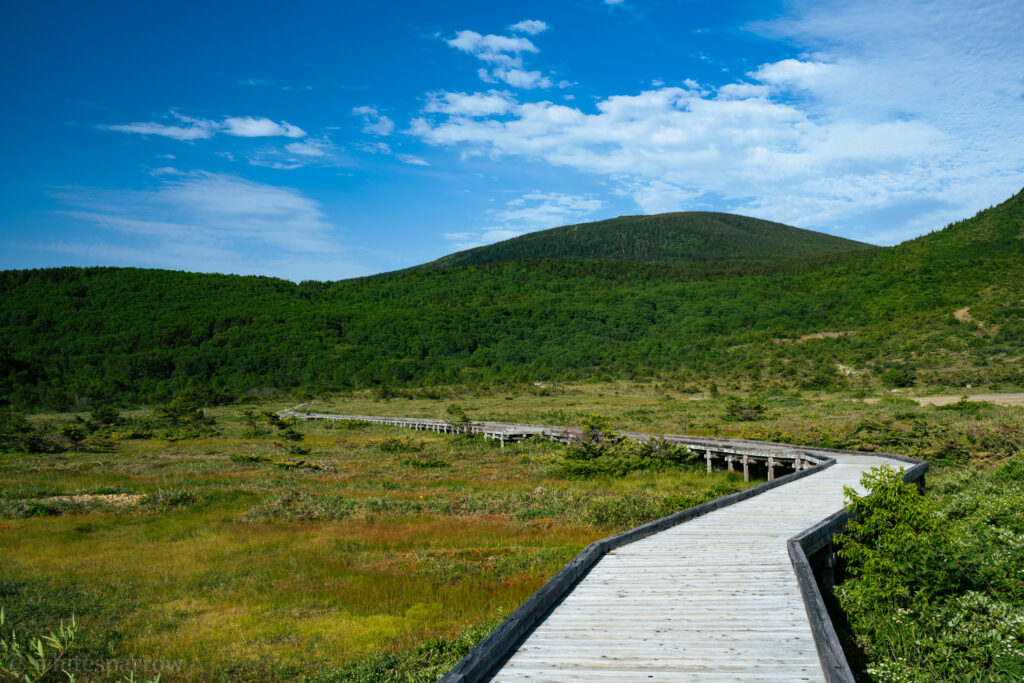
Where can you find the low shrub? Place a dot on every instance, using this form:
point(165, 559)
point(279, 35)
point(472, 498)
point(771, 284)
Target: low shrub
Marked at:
point(617, 458)
point(425, 463)
point(35, 659)
point(933, 589)
point(744, 410)
point(395, 445)
point(246, 458)
point(1012, 469)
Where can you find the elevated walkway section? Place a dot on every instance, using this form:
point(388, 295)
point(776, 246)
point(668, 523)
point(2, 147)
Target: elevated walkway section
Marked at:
point(724, 591)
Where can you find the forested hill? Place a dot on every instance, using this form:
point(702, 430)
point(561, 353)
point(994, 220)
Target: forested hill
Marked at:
point(696, 236)
point(73, 337)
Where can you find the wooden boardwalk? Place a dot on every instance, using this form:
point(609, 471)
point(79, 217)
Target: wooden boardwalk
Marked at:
point(713, 599)
point(721, 592)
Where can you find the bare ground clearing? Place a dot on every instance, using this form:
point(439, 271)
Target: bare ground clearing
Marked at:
point(998, 399)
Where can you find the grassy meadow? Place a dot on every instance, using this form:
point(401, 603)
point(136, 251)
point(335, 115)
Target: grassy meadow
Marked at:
point(357, 552)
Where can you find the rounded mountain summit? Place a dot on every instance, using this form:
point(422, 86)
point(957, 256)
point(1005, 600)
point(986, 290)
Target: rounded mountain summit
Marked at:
point(690, 236)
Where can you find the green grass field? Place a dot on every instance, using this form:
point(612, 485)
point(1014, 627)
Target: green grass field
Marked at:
point(245, 561)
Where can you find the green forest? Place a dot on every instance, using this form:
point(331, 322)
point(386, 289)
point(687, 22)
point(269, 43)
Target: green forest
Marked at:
point(831, 314)
point(663, 238)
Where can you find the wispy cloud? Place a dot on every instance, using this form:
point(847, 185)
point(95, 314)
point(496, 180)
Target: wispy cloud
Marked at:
point(412, 160)
point(490, 103)
point(188, 128)
point(898, 117)
point(209, 222)
point(530, 27)
point(374, 122)
point(254, 127)
point(310, 148)
point(503, 55)
point(315, 152)
point(528, 213)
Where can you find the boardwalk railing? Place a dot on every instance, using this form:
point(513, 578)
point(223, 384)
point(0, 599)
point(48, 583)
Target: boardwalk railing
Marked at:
point(810, 552)
point(735, 454)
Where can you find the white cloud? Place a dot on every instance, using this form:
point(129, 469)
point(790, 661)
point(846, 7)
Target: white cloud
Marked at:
point(796, 74)
point(209, 222)
point(519, 78)
point(201, 129)
point(502, 50)
point(184, 133)
point(529, 26)
point(897, 119)
point(318, 152)
point(374, 122)
point(491, 103)
point(742, 91)
point(265, 162)
point(309, 148)
point(258, 127)
point(375, 147)
point(540, 210)
point(412, 160)
point(530, 212)
point(504, 56)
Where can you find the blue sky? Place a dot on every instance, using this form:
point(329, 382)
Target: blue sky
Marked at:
point(313, 140)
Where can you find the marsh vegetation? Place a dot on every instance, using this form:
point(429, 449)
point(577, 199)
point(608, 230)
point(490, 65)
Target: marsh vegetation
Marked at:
point(378, 552)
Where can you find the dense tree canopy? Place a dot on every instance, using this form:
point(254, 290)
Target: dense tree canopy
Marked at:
point(74, 337)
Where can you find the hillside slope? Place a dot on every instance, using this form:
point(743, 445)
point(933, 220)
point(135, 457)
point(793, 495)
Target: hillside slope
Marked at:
point(670, 237)
point(71, 337)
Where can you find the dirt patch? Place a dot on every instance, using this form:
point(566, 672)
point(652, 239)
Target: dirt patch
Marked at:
point(118, 500)
point(813, 335)
point(963, 314)
point(998, 399)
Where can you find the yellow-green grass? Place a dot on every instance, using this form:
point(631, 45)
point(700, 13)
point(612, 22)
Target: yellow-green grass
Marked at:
point(262, 573)
point(243, 581)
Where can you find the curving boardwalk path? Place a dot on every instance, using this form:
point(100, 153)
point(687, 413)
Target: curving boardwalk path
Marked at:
point(720, 592)
point(712, 599)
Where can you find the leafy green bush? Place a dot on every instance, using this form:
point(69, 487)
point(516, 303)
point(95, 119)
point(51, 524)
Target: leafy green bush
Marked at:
point(965, 406)
point(616, 458)
point(887, 542)
point(934, 590)
point(425, 463)
point(1012, 469)
point(394, 445)
point(744, 410)
point(899, 377)
point(36, 658)
point(183, 418)
point(248, 458)
point(18, 434)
